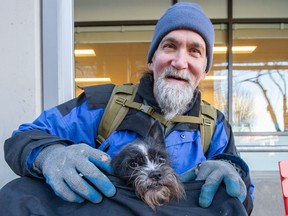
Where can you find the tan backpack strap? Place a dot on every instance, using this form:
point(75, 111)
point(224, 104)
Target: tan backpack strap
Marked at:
point(122, 99)
point(114, 112)
point(189, 119)
point(150, 111)
point(143, 108)
point(209, 115)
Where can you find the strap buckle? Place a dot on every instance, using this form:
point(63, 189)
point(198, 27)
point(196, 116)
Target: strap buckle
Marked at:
point(121, 100)
point(146, 109)
point(207, 121)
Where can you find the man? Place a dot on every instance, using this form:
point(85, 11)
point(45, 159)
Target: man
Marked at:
point(60, 145)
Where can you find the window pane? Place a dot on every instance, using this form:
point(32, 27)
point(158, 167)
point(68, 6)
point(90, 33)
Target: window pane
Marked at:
point(112, 10)
point(260, 9)
point(260, 78)
point(208, 7)
point(120, 56)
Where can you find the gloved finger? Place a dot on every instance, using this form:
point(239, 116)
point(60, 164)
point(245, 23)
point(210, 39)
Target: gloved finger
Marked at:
point(82, 188)
point(102, 161)
point(243, 192)
point(62, 190)
point(235, 187)
point(187, 176)
point(232, 186)
point(98, 179)
point(209, 189)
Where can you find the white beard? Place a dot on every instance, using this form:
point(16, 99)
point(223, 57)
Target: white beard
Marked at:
point(173, 98)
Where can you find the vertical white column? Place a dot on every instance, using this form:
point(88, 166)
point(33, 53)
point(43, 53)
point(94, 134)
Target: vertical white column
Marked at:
point(57, 55)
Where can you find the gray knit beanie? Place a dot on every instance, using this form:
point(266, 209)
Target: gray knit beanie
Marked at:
point(184, 15)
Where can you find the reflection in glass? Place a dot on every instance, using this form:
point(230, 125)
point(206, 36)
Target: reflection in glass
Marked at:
point(260, 80)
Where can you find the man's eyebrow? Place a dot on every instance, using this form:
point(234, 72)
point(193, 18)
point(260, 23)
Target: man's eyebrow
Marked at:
point(193, 44)
point(198, 45)
point(170, 39)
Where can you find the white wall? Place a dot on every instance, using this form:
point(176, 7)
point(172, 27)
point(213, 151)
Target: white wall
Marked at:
point(20, 61)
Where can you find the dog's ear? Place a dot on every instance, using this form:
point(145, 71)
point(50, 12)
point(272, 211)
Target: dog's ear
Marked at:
point(156, 132)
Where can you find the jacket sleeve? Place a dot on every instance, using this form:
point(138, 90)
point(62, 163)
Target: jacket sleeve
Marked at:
point(22, 148)
point(69, 123)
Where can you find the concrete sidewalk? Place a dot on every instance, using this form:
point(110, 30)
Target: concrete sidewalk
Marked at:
point(268, 194)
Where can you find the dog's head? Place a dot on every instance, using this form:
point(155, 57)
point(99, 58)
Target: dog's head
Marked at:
point(144, 165)
point(146, 154)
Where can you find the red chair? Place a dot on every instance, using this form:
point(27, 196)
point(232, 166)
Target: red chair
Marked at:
point(283, 169)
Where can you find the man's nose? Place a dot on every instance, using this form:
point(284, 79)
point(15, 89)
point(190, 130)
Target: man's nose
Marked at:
point(180, 60)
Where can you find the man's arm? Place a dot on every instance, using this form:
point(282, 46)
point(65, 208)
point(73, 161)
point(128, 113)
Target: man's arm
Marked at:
point(50, 148)
point(53, 126)
point(22, 149)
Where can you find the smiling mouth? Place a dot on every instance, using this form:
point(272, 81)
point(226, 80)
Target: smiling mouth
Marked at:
point(177, 78)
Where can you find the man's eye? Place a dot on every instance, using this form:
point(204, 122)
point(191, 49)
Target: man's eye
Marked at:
point(168, 46)
point(195, 51)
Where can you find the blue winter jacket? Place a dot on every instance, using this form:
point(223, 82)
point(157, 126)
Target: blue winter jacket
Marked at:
point(77, 121)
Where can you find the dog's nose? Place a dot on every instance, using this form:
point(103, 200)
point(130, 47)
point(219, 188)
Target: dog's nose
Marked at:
point(155, 175)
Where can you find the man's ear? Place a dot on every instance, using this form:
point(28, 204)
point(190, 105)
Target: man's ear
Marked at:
point(150, 65)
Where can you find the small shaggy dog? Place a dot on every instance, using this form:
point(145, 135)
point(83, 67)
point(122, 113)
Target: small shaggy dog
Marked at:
point(144, 165)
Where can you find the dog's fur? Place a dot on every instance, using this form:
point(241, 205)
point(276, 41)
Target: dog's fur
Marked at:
point(144, 165)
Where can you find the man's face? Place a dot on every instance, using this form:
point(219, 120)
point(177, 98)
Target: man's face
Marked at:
point(178, 66)
point(182, 50)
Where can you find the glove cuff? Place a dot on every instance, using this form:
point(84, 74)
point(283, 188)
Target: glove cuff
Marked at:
point(43, 155)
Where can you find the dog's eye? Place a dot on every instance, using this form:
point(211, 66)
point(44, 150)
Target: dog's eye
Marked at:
point(133, 164)
point(162, 159)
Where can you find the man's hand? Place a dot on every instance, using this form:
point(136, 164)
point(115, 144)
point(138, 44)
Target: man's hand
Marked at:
point(74, 173)
point(214, 172)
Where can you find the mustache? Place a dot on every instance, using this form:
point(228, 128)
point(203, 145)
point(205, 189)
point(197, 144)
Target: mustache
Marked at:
point(176, 74)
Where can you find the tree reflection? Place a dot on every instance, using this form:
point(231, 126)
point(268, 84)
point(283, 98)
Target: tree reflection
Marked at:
point(272, 84)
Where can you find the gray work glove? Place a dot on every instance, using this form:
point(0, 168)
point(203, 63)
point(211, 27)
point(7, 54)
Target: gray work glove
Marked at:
point(214, 172)
point(67, 169)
